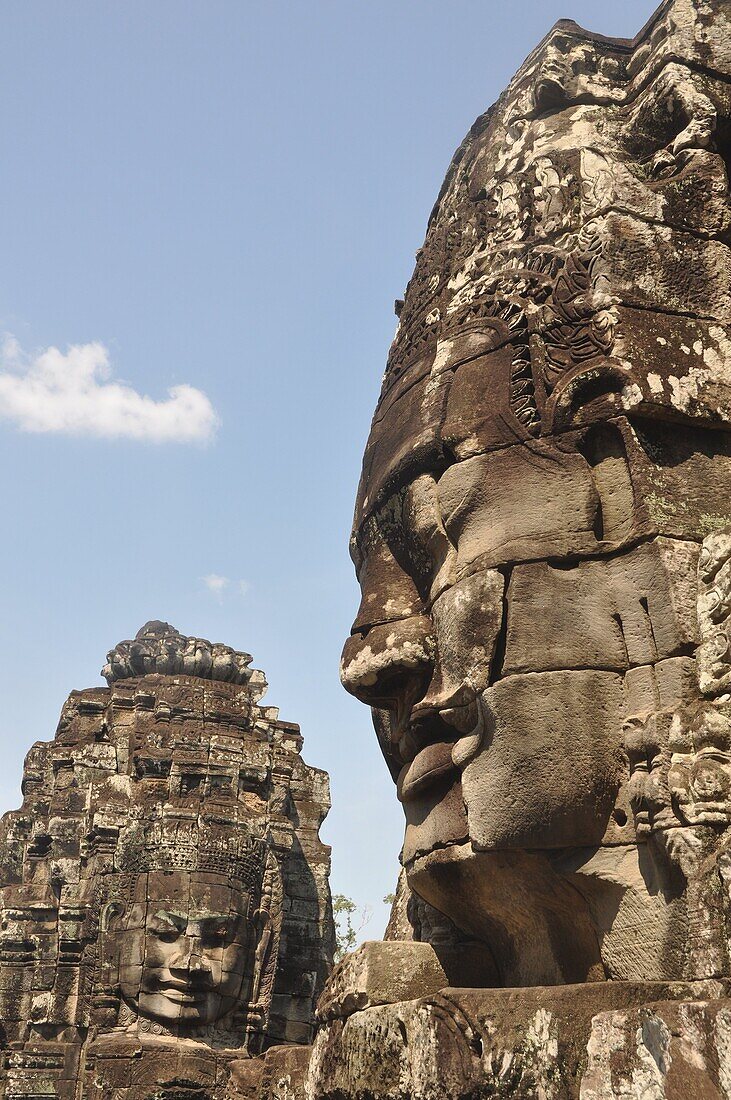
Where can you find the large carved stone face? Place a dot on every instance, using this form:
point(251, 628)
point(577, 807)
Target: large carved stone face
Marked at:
point(525, 755)
point(539, 472)
point(185, 948)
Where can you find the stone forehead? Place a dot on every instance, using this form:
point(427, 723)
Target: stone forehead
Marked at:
point(533, 165)
point(199, 891)
point(171, 847)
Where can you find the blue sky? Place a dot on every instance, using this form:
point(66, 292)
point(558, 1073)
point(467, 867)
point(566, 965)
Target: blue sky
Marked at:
point(224, 196)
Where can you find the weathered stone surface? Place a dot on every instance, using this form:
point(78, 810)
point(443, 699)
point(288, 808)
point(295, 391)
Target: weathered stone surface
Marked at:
point(557, 399)
point(662, 1050)
point(588, 1042)
point(381, 973)
point(283, 1077)
point(164, 903)
point(467, 618)
point(517, 799)
point(516, 504)
point(604, 614)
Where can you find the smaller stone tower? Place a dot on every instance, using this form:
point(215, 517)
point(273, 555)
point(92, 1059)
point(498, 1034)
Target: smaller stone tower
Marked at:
point(165, 912)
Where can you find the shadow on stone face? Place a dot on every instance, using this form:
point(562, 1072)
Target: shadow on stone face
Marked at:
point(542, 538)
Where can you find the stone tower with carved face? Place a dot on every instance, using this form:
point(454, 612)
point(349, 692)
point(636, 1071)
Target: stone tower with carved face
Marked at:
point(541, 531)
point(164, 911)
point(542, 537)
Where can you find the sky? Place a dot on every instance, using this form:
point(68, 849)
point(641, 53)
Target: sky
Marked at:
point(208, 209)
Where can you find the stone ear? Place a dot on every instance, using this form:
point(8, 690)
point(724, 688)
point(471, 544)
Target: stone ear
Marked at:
point(262, 922)
point(110, 913)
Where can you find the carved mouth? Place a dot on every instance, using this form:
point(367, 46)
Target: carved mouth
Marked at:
point(431, 747)
point(183, 998)
point(181, 994)
point(427, 768)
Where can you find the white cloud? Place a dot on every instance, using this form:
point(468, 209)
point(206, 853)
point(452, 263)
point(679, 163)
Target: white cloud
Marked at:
point(74, 393)
point(215, 583)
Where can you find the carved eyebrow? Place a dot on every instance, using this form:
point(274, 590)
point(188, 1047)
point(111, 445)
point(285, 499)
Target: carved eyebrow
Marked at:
point(212, 918)
point(179, 920)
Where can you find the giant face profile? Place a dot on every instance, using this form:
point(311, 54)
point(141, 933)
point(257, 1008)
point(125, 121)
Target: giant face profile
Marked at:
point(550, 448)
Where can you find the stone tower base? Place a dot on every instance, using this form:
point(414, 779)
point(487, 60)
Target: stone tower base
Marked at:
point(599, 1041)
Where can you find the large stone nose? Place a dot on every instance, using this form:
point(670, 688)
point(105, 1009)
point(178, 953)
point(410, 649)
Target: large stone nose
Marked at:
point(389, 656)
point(391, 664)
point(182, 957)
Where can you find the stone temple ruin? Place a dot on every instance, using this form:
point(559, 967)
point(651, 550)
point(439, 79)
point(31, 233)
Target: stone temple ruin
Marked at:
point(543, 542)
point(165, 911)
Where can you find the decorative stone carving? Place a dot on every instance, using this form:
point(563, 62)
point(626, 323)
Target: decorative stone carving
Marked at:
point(549, 452)
point(544, 640)
point(714, 611)
point(164, 907)
point(158, 647)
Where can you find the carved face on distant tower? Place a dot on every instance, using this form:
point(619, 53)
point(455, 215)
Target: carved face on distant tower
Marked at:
point(524, 533)
point(186, 947)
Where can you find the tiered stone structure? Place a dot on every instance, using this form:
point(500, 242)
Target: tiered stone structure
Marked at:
point(543, 542)
point(165, 913)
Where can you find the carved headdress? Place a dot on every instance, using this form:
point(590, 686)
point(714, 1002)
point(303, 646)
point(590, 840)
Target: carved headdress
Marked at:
point(184, 845)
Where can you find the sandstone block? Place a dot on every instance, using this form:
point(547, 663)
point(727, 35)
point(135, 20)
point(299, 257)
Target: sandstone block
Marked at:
point(590, 1042)
point(379, 973)
point(633, 609)
point(545, 734)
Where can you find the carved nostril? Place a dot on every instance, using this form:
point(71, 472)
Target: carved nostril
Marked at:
point(381, 667)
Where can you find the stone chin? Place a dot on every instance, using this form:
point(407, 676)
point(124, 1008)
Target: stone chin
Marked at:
point(488, 832)
point(533, 921)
